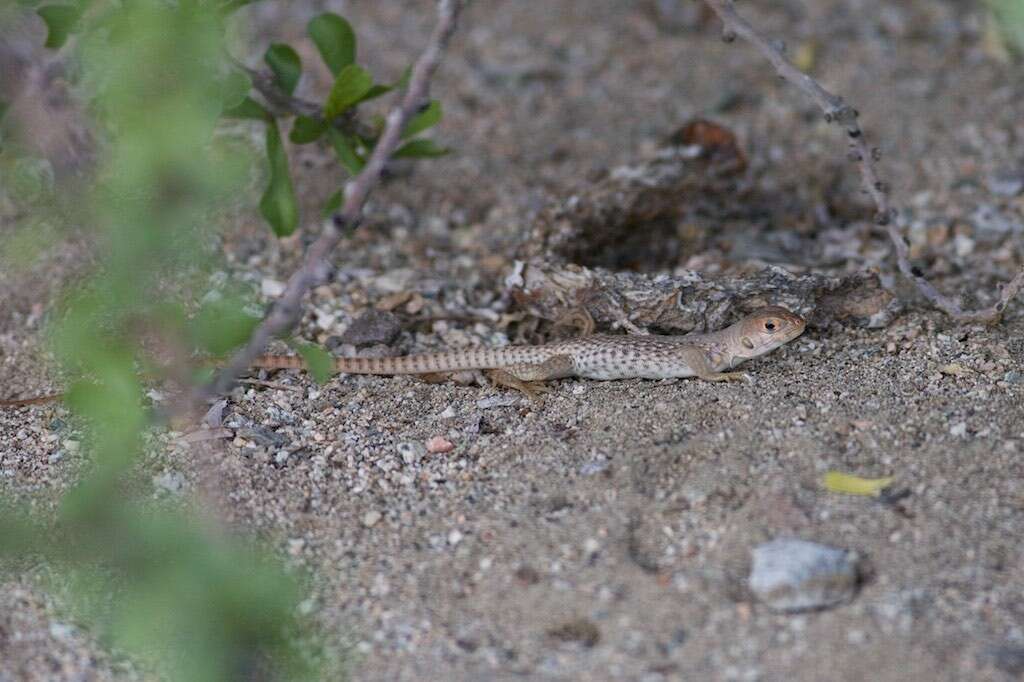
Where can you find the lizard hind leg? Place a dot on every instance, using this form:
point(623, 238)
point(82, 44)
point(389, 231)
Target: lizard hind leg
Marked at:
point(529, 378)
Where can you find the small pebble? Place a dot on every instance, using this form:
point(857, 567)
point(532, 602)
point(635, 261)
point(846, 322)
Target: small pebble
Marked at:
point(454, 537)
point(371, 518)
point(411, 452)
point(372, 328)
point(1007, 184)
point(170, 481)
point(271, 288)
point(959, 430)
point(1013, 377)
point(439, 444)
point(790, 575)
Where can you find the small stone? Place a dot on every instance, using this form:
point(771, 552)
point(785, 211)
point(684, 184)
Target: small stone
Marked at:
point(581, 631)
point(1008, 658)
point(963, 245)
point(281, 458)
point(271, 288)
point(959, 430)
point(411, 452)
point(61, 631)
point(170, 481)
point(496, 401)
point(439, 445)
point(594, 466)
point(1013, 377)
point(1007, 184)
point(295, 546)
point(371, 518)
point(72, 446)
point(454, 537)
point(372, 328)
point(449, 413)
point(790, 575)
point(55, 457)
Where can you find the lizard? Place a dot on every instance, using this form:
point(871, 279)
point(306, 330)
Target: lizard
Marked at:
point(706, 356)
point(597, 356)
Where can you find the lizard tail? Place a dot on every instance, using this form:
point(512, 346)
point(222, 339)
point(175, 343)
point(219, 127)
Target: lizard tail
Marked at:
point(426, 363)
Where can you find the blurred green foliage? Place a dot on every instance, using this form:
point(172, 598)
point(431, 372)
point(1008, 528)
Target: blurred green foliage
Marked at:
point(1008, 22)
point(186, 599)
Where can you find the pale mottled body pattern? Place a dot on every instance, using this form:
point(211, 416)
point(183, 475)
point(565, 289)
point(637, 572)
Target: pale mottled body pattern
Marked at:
point(599, 356)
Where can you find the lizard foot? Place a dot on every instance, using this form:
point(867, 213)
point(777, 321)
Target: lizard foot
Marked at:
point(532, 389)
point(728, 376)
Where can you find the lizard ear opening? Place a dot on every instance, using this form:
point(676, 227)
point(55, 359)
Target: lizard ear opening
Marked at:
point(747, 343)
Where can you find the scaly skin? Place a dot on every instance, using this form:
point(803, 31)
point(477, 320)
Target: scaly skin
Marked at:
point(598, 356)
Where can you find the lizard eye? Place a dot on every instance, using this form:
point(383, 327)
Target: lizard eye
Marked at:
point(770, 326)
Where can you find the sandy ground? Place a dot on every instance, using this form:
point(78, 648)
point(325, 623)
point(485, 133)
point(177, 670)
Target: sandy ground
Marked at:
point(607, 533)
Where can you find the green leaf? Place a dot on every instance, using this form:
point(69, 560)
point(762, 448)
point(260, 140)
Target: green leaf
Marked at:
point(248, 109)
point(318, 362)
point(423, 120)
point(233, 5)
point(376, 91)
point(286, 65)
point(221, 326)
point(60, 22)
point(234, 90)
point(306, 130)
point(335, 39)
point(352, 83)
point(420, 149)
point(346, 151)
point(333, 203)
point(278, 204)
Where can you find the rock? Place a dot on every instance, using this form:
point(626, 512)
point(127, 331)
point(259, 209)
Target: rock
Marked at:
point(371, 518)
point(594, 466)
point(439, 445)
point(271, 288)
point(1013, 377)
point(1008, 658)
point(169, 481)
point(411, 452)
point(790, 575)
point(371, 328)
point(1007, 184)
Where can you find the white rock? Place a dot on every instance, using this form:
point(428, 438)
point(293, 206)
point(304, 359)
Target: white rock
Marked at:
point(790, 575)
point(271, 288)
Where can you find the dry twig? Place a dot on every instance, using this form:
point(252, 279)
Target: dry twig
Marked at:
point(286, 311)
point(836, 110)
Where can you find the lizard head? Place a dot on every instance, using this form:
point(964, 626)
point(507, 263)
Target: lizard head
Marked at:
point(766, 329)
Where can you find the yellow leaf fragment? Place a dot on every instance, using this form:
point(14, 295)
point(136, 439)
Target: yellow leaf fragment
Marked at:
point(805, 56)
point(838, 482)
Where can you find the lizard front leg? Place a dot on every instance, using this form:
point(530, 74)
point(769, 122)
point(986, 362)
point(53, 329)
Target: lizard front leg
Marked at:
point(530, 377)
point(702, 368)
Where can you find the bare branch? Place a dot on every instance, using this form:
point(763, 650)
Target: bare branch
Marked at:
point(836, 110)
point(286, 311)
